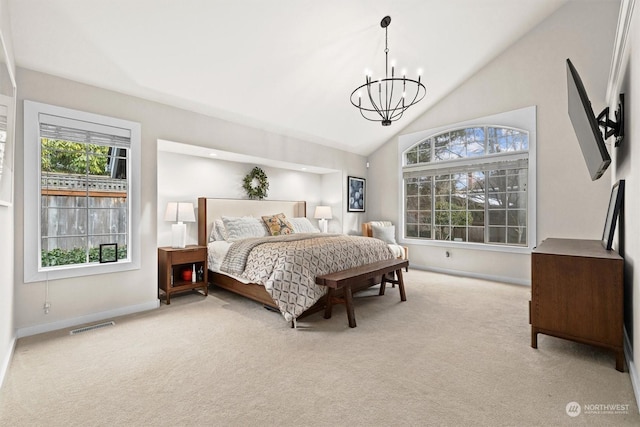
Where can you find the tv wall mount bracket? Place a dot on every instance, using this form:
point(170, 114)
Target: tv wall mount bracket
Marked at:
point(610, 127)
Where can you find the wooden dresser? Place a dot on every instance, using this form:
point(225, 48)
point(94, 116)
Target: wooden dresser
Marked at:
point(577, 294)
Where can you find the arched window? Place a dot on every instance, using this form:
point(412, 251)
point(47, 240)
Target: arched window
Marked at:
point(468, 184)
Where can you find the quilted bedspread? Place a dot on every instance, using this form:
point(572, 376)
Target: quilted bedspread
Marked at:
point(287, 266)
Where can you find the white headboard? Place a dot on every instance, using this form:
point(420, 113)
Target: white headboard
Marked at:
point(211, 209)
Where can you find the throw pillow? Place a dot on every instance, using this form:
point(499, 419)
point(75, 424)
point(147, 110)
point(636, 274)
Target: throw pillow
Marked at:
point(243, 227)
point(278, 224)
point(303, 225)
point(218, 231)
point(386, 234)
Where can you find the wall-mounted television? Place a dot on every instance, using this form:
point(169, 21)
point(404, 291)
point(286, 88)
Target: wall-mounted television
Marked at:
point(586, 125)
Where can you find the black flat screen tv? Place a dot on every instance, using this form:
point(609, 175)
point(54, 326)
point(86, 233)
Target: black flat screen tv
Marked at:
point(585, 125)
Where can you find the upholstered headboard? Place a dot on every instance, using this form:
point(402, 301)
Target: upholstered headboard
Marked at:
point(210, 209)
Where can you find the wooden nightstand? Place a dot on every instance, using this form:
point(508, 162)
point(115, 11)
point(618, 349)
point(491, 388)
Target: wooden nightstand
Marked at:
point(173, 261)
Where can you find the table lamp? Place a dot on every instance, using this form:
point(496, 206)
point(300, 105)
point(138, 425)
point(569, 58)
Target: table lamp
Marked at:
point(323, 214)
point(181, 213)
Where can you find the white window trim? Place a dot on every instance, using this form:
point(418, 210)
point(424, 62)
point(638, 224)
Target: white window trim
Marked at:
point(32, 199)
point(525, 119)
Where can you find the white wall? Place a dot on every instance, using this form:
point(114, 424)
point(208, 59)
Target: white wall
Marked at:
point(86, 299)
point(626, 159)
point(184, 178)
point(7, 309)
point(530, 72)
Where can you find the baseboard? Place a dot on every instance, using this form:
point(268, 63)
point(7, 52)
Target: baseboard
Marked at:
point(6, 361)
point(494, 278)
point(633, 372)
point(67, 323)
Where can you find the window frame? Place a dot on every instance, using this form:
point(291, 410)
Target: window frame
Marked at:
point(523, 119)
point(33, 272)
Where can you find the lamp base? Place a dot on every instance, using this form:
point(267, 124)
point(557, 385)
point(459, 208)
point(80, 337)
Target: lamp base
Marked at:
point(178, 235)
point(323, 224)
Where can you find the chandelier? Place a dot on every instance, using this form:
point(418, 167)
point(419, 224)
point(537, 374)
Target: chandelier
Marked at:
point(379, 104)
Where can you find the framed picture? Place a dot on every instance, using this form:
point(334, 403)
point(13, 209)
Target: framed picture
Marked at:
point(355, 194)
point(615, 205)
point(108, 252)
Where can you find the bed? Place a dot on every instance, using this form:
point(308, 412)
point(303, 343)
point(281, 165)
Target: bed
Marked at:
point(277, 271)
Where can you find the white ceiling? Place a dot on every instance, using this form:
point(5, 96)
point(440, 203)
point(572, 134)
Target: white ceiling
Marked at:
point(286, 66)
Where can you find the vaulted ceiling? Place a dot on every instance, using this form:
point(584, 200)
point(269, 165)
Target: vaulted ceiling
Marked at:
point(286, 66)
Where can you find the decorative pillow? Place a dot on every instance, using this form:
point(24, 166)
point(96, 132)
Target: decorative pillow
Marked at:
point(278, 224)
point(380, 223)
point(303, 225)
point(213, 236)
point(218, 232)
point(243, 227)
point(387, 234)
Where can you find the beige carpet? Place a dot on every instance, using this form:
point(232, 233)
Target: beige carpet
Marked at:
point(456, 353)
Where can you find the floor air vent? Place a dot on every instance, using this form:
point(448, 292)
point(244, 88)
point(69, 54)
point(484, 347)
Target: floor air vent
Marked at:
point(92, 327)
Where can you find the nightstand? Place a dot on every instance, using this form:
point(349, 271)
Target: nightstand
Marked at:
point(173, 262)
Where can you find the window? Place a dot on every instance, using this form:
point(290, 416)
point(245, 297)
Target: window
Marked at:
point(81, 193)
point(469, 184)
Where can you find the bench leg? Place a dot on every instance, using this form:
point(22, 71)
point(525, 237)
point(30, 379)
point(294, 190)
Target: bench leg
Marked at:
point(348, 300)
point(403, 295)
point(383, 284)
point(328, 306)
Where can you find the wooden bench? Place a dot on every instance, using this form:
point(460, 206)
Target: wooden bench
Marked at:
point(355, 278)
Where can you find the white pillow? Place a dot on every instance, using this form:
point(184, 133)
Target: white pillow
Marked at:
point(218, 232)
point(303, 225)
point(243, 227)
point(386, 234)
point(212, 236)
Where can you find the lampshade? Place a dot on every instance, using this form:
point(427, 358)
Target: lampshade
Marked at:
point(179, 212)
point(323, 212)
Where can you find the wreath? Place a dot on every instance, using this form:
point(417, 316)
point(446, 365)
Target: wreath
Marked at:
point(256, 184)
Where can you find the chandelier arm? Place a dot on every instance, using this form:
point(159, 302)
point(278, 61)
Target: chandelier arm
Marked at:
point(379, 105)
point(382, 104)
point(397, 112)
point(373, 103)
point(398, 115)
point(390, 98)
point(398, 103)
point(371, 110)
point(420, 85)
point(367, 118)
point(371, 120)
